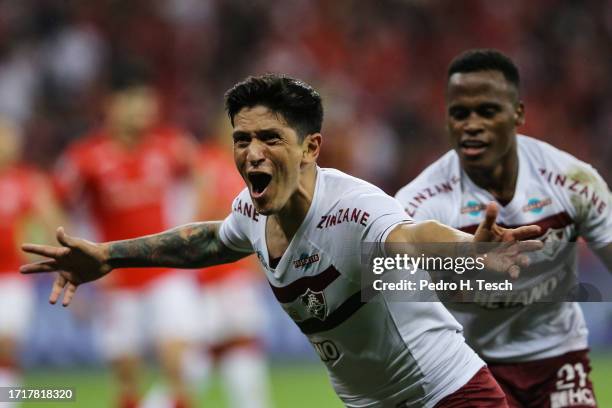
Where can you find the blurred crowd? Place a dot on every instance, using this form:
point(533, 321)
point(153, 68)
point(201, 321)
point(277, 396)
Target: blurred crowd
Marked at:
point(380, 65)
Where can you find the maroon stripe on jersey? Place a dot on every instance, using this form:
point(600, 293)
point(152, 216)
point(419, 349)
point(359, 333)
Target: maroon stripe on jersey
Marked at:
point(558, 220)
point(337, 317)
point(316, 283)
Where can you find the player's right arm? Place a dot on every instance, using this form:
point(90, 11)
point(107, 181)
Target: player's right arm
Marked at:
point(78, 261)
point(194, 245)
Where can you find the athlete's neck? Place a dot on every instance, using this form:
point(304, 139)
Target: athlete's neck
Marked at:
point(294, 212)
point(499, 180)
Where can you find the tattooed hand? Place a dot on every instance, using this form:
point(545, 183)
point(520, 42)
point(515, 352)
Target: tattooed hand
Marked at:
point(76, 261)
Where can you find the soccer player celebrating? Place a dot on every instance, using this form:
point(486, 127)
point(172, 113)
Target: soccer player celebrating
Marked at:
point(537, 351)
point(378, 353)
point(125, 171)
point(26, 200)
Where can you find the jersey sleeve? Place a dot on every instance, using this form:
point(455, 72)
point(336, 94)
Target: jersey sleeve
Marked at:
point(594, 210)
point(411, 199)
point(234, 231)
point(429, 196)
point(382, 213)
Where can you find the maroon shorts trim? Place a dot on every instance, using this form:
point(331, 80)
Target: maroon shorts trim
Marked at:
point(557, 382)
point(482, 391)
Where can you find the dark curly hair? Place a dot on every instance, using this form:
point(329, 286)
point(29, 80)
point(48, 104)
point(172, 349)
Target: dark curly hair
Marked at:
point(298, 103)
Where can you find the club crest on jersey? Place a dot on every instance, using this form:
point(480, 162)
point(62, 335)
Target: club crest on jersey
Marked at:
point(554, 241)
point(315, 304)
point(473, 208)
point(535, 205)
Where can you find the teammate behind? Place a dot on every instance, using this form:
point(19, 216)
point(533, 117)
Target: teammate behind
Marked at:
point(379, 353)
point(538, 351)
point(26, 203)
point(125, 170)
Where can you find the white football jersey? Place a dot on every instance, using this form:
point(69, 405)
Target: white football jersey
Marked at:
point(380, 353)
point(561, 194)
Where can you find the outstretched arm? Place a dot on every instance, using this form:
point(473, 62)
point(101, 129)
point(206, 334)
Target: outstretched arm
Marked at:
point(413, 238)
point(79, 261)
point(194, 245)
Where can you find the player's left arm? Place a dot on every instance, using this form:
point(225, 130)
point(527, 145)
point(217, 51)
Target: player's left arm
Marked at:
point(413, 239)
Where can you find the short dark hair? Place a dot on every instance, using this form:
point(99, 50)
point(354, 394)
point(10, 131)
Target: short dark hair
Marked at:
point(298, 103)
point(485, 60)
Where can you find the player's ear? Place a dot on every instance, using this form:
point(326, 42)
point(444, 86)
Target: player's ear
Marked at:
point(311, 147)
point(519, 114)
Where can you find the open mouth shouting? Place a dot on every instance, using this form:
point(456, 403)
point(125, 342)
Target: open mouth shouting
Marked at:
point(472, 148)
point(258, 183)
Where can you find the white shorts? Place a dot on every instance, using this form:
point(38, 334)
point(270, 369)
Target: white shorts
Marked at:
point(230, 309)
point(130, 321)
point(16, 304)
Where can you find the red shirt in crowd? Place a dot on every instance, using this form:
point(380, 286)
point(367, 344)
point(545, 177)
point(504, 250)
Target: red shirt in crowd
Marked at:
point(126, 187)
point(18, 187)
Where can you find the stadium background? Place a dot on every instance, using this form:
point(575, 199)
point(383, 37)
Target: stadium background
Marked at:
point(380, 67)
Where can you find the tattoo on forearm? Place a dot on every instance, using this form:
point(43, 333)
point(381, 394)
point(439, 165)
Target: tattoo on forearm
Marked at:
point(188, 246)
